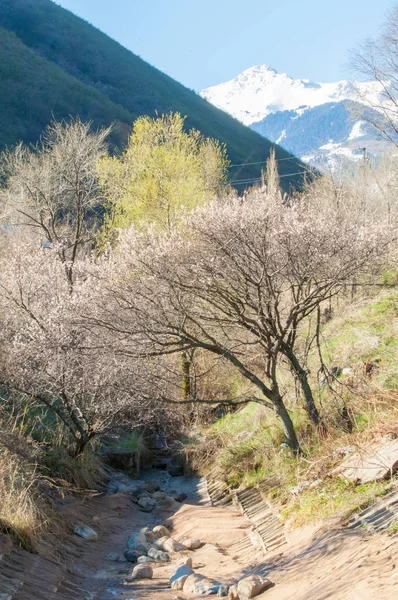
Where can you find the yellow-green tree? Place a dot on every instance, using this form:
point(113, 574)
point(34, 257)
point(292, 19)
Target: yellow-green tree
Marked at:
point(163, 169)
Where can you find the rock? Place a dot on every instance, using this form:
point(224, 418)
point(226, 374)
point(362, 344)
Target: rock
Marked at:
point(146, 504)
point(113, 557)
point(191, 543)
point(145, 559)
point(233, 592)
point(148, 535)
point(160, 542)
point(223, 591)
point(165, 504)
point(143, 547)
point(199, 584)
point(96, 520)
point(373, 463)
point(85, 532)
point(143, 495)
point(158, 555)
point(171, 545)
point(299, 489)
point(186, 562)
point(148, 508)
point(153, 486)
point(133, 490)
point(207, 587)
point(161, 531)
point(142, 572)
point(346, 371)
point(138, 542)
point(132, 555)
point(180, 576)
point(179, 497)
point(252, 586)
point(159, 495)
point(135, 539)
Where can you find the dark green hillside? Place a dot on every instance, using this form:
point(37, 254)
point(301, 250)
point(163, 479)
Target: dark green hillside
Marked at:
point(69, 67)
point(34, 90)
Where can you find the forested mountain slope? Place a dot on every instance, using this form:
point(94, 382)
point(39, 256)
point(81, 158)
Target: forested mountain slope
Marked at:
point(56, 64)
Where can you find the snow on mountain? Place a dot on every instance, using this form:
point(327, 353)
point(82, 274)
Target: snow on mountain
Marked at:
point(312, 120)
point(260, 90)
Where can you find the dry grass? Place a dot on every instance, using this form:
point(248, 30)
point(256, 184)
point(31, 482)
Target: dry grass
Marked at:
point(21, 512)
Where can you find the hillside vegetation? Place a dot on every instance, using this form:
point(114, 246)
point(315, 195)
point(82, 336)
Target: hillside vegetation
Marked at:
point(54, 64)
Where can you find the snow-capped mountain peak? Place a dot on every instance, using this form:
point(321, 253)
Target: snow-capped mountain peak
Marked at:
point(261, 90)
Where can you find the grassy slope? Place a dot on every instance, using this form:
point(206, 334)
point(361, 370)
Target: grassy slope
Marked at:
point(362, 333)
point(127, 81)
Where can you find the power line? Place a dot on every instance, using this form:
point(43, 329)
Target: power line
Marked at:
point(260, 162)
point(260, 178)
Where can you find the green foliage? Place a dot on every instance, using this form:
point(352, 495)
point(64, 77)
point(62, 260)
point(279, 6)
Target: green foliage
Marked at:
point(61, 65)
point(334, 496)
point(367, 332)
point(163, 169)
point(134, 440)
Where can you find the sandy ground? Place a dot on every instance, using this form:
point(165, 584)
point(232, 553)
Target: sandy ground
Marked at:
point(330, 562)
point(327, 563)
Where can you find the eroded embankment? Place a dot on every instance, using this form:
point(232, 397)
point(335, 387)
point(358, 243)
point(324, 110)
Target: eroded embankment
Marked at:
point(333, 562)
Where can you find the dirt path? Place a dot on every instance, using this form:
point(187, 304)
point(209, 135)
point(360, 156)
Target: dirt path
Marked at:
point(332, 563)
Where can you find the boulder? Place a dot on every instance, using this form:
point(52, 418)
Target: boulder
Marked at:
point(166, 503)
point(147, 508)
point(161, 531)
point(138, 542)
point(143, 495)
point(142, 572)
point(133, 490)
point(180, 576)
point(85, 532)
point(191, 543)
point(373, 463)
point(186, 562)
point(159, 495)
point(252, 586)
point(145, 559)
point(223, 591)
point(233, 592)
point(135, 539)
point(148, 535)
point(160, 542)
point(207, 587)
point(199, 584)
point(152, 485)
point(146, 504)
point(132, 555)
point(171, 545)
point(158, 555)
point(179, 497)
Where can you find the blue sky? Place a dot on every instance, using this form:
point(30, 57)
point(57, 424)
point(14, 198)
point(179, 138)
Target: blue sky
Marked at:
point(204, 42)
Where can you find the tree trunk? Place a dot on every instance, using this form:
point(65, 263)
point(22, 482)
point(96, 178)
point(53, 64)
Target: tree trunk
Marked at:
point(301, 373)
point(186, 383)
point(288, 427)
